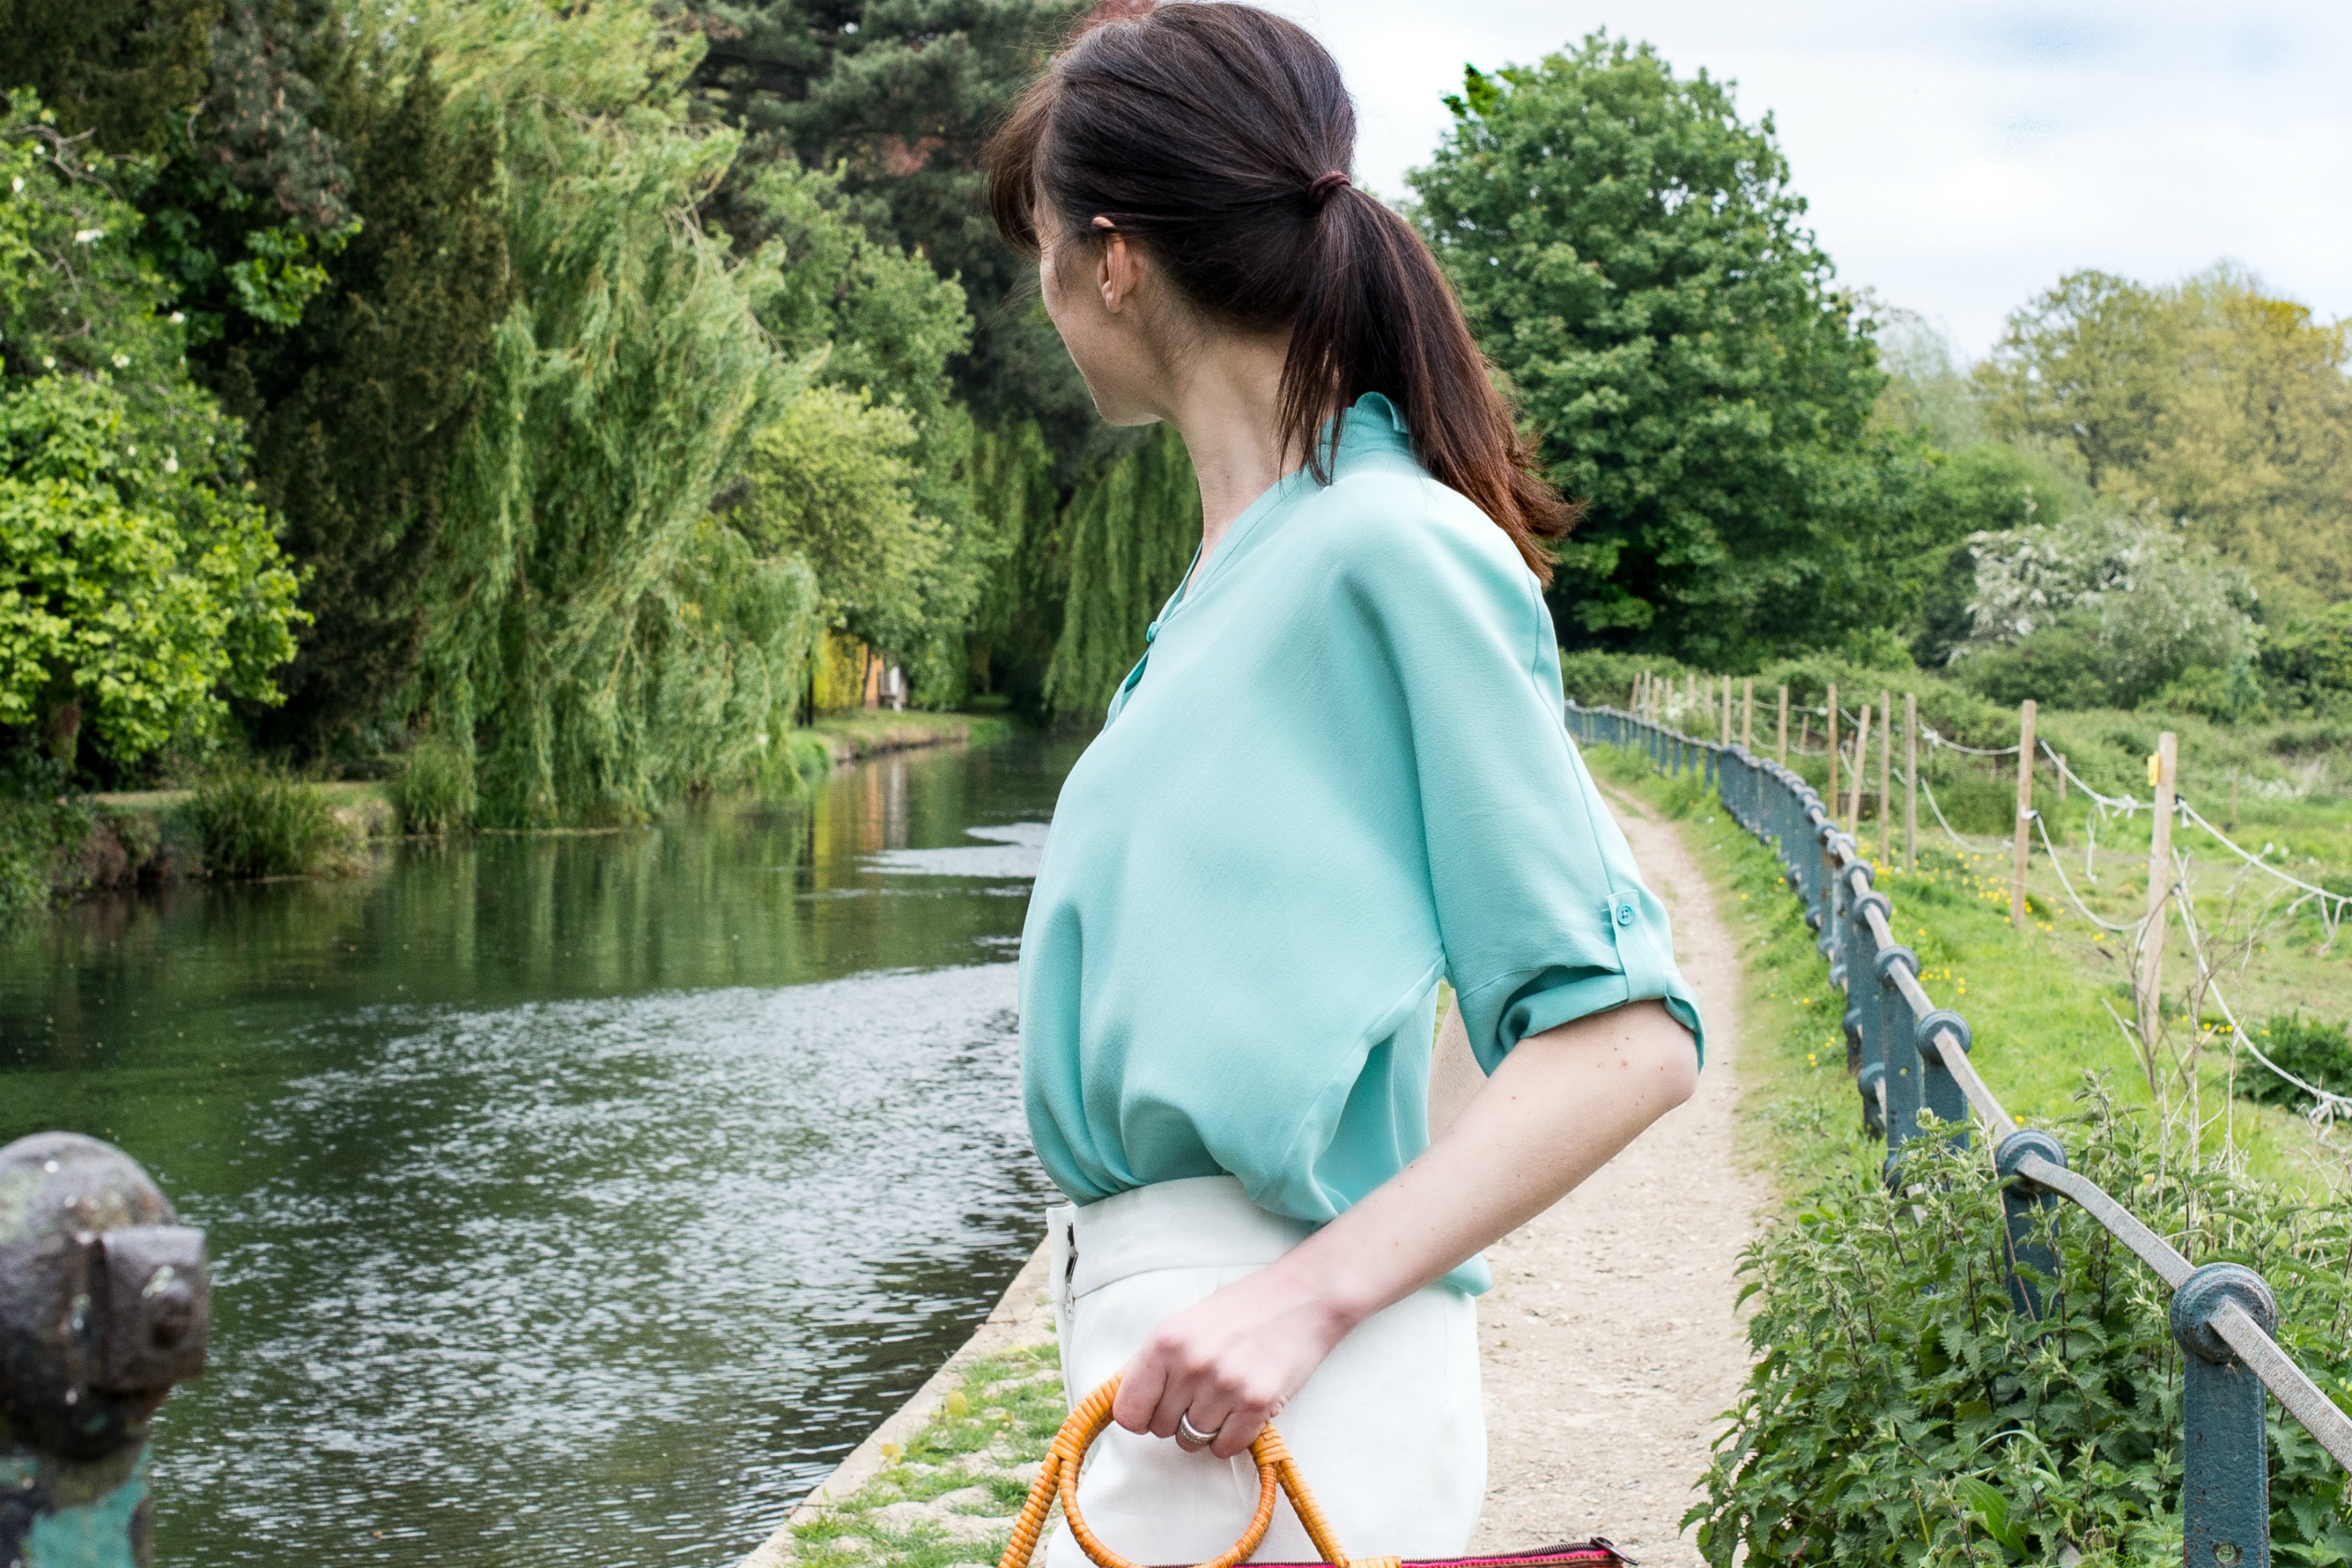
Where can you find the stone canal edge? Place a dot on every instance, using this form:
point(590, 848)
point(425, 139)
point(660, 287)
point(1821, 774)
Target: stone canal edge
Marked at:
point(1612, 1343)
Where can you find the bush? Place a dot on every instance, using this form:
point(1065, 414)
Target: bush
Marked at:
point(1901, 1410)
point(256, 822)
point(2316, 1051)
point(434, 791)
point(811, 758)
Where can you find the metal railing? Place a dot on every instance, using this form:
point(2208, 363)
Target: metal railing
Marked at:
point(1907, 1055)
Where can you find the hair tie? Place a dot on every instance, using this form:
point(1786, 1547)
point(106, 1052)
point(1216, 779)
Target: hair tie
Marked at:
point(1326, 186)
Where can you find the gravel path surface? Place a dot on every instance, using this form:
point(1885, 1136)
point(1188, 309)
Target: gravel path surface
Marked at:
point(1612, 1345)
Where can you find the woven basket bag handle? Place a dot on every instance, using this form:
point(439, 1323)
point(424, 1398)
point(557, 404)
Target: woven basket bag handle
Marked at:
point(1058, 1477)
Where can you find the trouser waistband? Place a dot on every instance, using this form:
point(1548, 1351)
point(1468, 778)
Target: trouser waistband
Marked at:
point(1200, 1222)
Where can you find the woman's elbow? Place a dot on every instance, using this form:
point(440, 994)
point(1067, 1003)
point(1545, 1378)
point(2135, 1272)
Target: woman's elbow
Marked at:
point(1670, 1054)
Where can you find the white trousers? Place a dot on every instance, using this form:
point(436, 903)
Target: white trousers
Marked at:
point(1390, 1433)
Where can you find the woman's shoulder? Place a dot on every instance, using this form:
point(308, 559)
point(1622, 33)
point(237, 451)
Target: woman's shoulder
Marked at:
point(1391, 529)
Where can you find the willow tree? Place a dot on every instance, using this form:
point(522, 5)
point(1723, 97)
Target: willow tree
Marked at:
point(599, 637)
point(1128, 533)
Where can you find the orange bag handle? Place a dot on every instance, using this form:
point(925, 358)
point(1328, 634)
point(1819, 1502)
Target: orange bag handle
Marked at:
point(1058, 1478)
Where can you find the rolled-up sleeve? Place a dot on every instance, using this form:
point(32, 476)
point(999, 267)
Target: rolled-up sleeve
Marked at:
point(1543, 916)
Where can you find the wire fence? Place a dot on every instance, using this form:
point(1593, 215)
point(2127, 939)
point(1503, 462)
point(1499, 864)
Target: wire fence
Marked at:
point(1911, 1057)
point(1709, 706)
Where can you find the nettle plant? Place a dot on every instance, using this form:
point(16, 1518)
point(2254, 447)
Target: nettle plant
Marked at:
point(1901, 1410)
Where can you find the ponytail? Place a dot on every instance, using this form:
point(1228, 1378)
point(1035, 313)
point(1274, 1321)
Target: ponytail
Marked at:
point(1218, 137)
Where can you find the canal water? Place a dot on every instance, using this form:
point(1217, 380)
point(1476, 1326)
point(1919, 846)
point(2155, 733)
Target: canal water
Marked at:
point(572, 1199)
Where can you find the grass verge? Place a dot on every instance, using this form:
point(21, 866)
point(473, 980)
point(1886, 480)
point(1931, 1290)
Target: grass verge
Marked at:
point(2036, 1006)
point(950, 1495)
point(869, 731)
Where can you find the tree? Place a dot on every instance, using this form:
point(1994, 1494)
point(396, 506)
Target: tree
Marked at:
point(876, 320)
point(1633, 262)
point(2100, 612)
point(2208, 400)
point(573, 640)
point(1129, 533)
point(830, 481)
point(356, 409)
point(140, 587)
point(896, 98)
point(118, 70)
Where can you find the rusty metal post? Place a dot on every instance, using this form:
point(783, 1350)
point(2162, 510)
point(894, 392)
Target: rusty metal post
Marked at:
point(1939, 1091)
point(2025, 1212)
point(105, 1303)
point(2225, 1492)
point(1899, 1030)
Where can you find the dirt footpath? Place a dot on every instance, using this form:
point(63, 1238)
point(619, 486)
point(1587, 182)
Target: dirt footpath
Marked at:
point(1610, 1342)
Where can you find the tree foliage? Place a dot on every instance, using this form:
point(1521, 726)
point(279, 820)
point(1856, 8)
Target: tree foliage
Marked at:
point(601, 637)
point(831, 480)
point(356, 410)
point(1130, 533)
point(117, 71)
point(2208, 400)
point(2102, 612)
point(1634, 262)
point(140, 587)
point(895, 97)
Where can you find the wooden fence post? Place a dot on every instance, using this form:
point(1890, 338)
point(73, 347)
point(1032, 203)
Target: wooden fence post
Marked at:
point(1634, 703)
point(1910, 781)
point(1780, 748)
point(1833, 751)
point(1860, 773)
point(1747, 714)
point(1726, 709)
point(1887, 776)
point(2159, 888)
point(2020, 848)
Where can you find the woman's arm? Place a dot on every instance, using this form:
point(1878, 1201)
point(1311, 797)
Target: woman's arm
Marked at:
point(1560, 1107)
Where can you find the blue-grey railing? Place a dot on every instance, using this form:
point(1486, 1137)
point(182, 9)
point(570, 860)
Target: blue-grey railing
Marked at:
point(1909, 1055)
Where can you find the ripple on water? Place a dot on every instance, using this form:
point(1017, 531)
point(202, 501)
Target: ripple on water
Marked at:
point(670, 1254)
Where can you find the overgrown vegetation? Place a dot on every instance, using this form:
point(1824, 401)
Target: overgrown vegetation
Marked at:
point(432, 794)
point(258, 822)
point(2317, 1051)
point(1900, 1411)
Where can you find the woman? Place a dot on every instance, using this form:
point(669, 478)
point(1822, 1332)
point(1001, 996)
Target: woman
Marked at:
point(1339, 775)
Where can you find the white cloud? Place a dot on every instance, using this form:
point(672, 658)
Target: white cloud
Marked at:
point(1960, 156)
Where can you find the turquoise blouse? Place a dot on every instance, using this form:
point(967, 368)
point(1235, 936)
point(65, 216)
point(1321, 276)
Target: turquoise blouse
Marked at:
point(1339, 774)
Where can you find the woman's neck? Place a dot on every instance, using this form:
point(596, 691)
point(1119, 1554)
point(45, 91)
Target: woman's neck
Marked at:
point(1225, 406)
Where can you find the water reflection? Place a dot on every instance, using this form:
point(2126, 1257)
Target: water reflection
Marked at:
point(577, 1199)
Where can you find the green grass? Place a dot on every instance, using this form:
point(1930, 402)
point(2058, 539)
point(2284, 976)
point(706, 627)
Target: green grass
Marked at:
point(256, 822)
point(2034, 999)
point(867, 731)
point(1001, 1417)
point(434, 789)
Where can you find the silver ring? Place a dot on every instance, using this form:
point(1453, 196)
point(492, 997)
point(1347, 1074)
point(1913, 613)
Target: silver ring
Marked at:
point(1192, 1436)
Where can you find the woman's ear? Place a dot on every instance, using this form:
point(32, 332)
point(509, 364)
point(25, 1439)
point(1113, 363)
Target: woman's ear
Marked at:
point(1118, 269)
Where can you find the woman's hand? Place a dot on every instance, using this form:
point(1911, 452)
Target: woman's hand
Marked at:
point(1230, 1363)
point(1561, 1105)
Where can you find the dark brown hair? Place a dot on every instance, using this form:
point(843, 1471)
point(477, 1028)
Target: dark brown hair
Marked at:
point(1219, 137)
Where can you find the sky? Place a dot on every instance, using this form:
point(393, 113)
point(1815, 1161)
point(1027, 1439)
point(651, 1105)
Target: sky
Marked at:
point(1959, 156)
